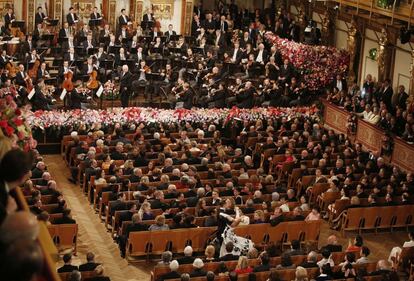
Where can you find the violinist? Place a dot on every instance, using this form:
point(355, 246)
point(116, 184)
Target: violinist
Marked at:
point(185, 97)
point(272, 69)
point(64, 70)
point(155, 33)
point(245, 99)
point(149, 16)
point(275, 95)
point(4, 59)
point(217, 97)
point(140, 56)
point(201, 35)
point(40, 100)
point(245, 40)
point(195, 26)
point(89, 43)
point(157, 46)
point(9, 18)
point(123, 19)
point(299, 95)
point(72, 18)
point(182, 45)
point(133, 45)
point(105, 32)
point(285, 72)
point(210, 61)
point(21, 76)
point(142, 78)
point(76, 97)
point(220, 41)
point(236, 53)
point(40, 16)
point(122, 33)
point(167, 76)
point(42, 73)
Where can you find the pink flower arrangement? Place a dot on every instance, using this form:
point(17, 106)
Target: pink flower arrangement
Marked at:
point(124, 116)
point(13, 124)
point(318, 65)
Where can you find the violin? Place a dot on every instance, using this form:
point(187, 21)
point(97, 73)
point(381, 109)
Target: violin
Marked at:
point(68, 83)
point(93, 83)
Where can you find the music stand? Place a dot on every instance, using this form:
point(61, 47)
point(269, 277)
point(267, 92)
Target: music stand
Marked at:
point(104, 40)
point(114, 49)
point(18, 23)
point(92, 51)
point(174, 37)
point(80, 51)
point(147, 25)
point(95, 22)
point(53, 22)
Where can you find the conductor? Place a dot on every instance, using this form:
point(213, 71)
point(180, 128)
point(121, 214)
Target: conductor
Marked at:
point(125, 85)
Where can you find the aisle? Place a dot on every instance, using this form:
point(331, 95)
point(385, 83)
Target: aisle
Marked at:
point(93, 235)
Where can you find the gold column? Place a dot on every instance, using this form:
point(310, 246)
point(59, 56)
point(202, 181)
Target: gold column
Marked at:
point(411, 92)
point(382, 56)
point(138, 10)
point(30, 15)
point(302, 21)
point(111, 14)
point(58, 6)
point(351, 46)
point(188, 17)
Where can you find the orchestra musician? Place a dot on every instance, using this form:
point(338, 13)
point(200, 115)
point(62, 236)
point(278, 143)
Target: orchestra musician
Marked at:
point(185, 97)
point(148, 17)
point(122, 33)
point(4, 59)
point(154, 33)
point(195, 26)
point(9, 18)
point(72, 17)
point(100, 56)
point(95, 18)
point(123, 19)
point(236, 54)
point(140, 56)
point(105, 32)
point(285, 72)
point(262, 55)
point(70, 56)
point(142, 78)
point(209, 24)
point(33, 56)
point(121, 57)
point(272, 69)
point(64, 32)
point(245, 99)
point(40, 16)
point(89, 66)
point(217, 97)
point(41, 100)
point(64, 69)
point(170, 32)
point(76, 97)
point(21, 76)
point(68, 44)
point(3, 30)
point(28, 45)
point(125, 85)
point(42, 72)
point(89, 43)
point(220, 42)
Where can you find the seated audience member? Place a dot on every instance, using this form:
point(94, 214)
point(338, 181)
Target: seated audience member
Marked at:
point(356, 246)
point(326, 258)
point(159, 224)
point(188, 256)
point(67, 267)
point(333, 245)
point(242, 266)
point(166, 258)
point(311, 260)
point(295, 249)
point(90, 264)
point(229, 256)
point(285, 262)
point(364, 253)
point(173, 274)
point(397, 250)
point(326, 273)
point(66, 218)
point(301, 274)
point(384, 269)
point(209, 253)
point(99, 275)
point(74, 276)
point(198, 270)
point(264, 263)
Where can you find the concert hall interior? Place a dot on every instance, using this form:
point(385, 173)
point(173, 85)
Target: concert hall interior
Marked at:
point(201, 140)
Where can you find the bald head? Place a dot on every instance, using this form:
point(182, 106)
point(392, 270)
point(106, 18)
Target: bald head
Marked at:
point(19, 225)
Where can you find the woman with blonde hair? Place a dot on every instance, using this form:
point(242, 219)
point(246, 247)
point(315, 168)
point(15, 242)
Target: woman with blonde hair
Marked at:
point(210, 252)
point(159, 224)
point(301, 274)
point(243, 266)
point(145, 211)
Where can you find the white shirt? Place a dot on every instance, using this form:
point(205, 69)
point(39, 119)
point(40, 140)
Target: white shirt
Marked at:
point(408, 244)
point(259, 57)
point(234, 55)
point(339, 85)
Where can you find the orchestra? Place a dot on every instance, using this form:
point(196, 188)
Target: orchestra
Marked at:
point(150, 61)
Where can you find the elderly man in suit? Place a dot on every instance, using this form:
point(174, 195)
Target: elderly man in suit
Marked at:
point(125, 85)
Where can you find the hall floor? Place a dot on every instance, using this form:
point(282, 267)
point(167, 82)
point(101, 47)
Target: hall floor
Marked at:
point(94, 237)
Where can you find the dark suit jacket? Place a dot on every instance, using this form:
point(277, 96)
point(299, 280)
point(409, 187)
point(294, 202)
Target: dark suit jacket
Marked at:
point(145, 18)
point(75, 99)
point(186, 260)
point(218, 99)
point(67, 268)
point(121, 21)
point(94, 22)
point(135, 227)
point(89, 266)
point(64, 220)
point(125, 83)
point(229, 257)
point(8, 19)
point(198, 272)
point(19, 79)
point(187, 98)
point(39, 18)
point(39, 101)
point(70, 20)
point(245, 99)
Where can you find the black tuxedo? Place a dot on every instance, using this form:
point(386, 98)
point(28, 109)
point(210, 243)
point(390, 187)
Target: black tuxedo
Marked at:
point(62, 33)
point(246, 98)
point(93, 21)
point(265, 56)
point(67, 268)
point(71, 20)
point(89, 266)
point(195, 26)
point(27, 47)
point(122, 21)
point(209, 24)
point(239, 55)
point(223, 26)
point(147, 18)
point(187, 98)
point(7, 20)
point(167, 34)
point(39, 18)
point(19, 79)
point(75, 99)
point(218, 100)
point(39, 101)
point(125, 85)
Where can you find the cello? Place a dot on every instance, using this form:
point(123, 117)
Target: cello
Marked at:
point(68, 83)
point(33, 71)
point(93, 82)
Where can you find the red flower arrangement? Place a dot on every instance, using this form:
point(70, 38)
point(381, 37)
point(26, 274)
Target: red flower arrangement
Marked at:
point(318, 65)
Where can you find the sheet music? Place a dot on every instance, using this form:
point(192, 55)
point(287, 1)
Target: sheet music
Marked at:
point(31, 94)
point(99, 92)
point(63, 94)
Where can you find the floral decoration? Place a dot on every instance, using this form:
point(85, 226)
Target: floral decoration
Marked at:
point(318, 65)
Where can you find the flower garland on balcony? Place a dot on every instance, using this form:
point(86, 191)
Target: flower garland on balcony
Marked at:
point(318, 65)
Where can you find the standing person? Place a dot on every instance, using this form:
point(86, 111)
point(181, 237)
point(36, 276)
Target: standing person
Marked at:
point(125, 85)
